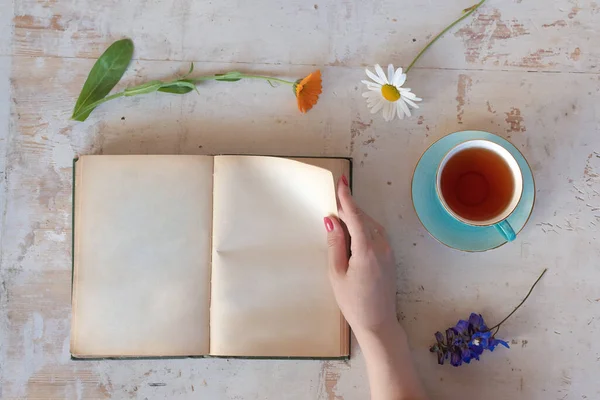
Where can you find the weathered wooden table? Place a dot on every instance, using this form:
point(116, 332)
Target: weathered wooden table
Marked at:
point(526, 70)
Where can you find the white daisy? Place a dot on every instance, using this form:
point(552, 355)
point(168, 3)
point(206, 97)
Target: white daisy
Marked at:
point(387, 93)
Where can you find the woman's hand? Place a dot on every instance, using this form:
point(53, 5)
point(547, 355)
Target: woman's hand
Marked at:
point(364, 284)
point(365, 288)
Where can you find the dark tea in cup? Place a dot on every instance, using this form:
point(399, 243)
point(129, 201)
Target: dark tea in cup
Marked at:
point(479, 182)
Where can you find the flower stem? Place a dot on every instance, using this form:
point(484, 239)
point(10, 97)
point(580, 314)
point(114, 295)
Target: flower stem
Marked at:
point(242, 76)
point(268, 78)
point(131, 91)
point(497, 326)
point(467, 11)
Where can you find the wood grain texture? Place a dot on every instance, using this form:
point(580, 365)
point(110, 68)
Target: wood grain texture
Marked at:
point(502, 35)
point(478, 77)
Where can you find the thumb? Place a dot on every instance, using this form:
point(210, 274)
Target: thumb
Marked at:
point(336, 240)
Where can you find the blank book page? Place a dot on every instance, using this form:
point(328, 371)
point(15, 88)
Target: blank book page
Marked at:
point(142, 256)
point(270, 288)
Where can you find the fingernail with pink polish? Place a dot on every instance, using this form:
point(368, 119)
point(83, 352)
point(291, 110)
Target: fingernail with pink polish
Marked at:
point(344, 180)
point(328, 224)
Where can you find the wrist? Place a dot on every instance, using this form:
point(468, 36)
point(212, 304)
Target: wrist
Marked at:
point(389, 363)
point(388, 335)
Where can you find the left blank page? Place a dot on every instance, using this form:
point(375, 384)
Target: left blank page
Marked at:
point(141, 279)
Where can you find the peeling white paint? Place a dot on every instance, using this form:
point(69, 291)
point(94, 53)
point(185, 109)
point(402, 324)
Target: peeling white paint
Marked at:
point(55, 237)
point(62, 153)
point(38, 327)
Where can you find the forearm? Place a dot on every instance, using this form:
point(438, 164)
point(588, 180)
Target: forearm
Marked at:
point(389, 365)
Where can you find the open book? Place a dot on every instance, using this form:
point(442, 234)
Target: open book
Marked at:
point(204, 256)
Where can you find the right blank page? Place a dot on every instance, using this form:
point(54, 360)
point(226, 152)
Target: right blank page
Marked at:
point(270, 294)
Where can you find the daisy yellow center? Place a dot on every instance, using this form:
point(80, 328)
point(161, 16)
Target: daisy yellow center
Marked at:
point(390, 93)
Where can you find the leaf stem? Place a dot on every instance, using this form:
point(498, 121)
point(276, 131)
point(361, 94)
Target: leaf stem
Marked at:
point(497, 326)
point(132, 90)
point(467, 11)
point(95, 104)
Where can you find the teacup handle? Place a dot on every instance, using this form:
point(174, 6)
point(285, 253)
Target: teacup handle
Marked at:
point(506, 230)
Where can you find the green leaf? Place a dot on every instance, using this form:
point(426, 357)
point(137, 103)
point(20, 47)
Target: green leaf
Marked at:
point(232, 76)
point(175, 89)
point(181, 86)
point(148, 87)
point(105, 74)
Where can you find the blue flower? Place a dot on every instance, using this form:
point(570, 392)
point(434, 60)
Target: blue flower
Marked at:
point(456, 358)
point(479, 342)
point(495, 342)
point(466, 341)
point(453, 338)
point(477, 323)
point(467, 356)
point(462, 326)
point(439, 337)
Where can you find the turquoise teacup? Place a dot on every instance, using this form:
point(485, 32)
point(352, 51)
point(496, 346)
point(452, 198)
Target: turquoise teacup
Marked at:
point(480, 183)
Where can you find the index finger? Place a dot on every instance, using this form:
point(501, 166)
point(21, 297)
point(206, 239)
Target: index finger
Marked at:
point(351, 214)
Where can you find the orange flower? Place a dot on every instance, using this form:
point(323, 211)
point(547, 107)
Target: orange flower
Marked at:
point(308, 90)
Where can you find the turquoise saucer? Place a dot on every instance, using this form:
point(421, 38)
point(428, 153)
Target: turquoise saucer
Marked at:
point(439, 223)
